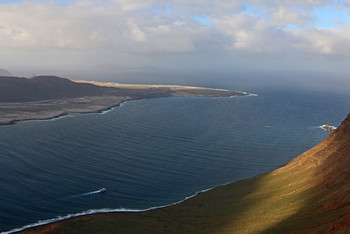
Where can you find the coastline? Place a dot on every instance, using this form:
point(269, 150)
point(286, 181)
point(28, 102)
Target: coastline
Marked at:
point(14, 112)
point(105, 109)
point(269, 202)
point(60, 114)
point(113, 102)
point(91, 212)
point(104, 211)
point(259, 203)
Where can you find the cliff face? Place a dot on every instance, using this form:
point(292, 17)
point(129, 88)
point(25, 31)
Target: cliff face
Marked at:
point(15, 89)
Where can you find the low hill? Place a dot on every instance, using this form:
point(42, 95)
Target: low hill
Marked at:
point(310, 194)
point(16, 89)
point(3, 72)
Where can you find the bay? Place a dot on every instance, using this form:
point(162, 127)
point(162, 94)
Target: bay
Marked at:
point(154, 152)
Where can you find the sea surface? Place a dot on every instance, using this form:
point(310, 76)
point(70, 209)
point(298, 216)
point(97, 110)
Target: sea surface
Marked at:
point(155, 152)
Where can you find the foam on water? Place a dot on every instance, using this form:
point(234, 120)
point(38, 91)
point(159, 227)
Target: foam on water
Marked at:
point(324, 127)
point(106, 111)
point(249, 94)
point(96, 211)
point(112, 108)
point(58, 117)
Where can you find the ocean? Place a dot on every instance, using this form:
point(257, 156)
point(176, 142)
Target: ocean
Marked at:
point(155, 152)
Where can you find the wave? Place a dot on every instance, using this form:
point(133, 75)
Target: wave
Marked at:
point(250, 94)
point(112, 108)
point(106, 111)
point(245, 94)
point(99, 211)
point(58, 117)
point(324, 127)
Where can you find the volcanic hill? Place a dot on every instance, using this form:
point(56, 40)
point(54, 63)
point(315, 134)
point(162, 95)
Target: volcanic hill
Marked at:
point(310, 194)
point(4, 72)
point(16, 89)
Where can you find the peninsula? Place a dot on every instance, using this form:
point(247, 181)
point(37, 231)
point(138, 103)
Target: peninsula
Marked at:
point(310, 194)
point(45, 97)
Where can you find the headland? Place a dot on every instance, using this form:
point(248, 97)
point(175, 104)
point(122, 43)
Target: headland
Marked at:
point(46, 97)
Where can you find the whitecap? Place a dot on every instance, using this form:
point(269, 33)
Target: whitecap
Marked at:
point(324, 127)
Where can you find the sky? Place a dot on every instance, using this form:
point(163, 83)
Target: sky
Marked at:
point(311, 35)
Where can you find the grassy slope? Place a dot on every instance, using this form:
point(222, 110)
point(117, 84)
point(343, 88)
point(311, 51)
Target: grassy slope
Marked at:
point(309, 194)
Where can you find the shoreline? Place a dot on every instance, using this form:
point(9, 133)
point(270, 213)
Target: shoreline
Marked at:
point(58, 219)
point(115, 210)
point(14, 112)
point(66, 114)
point(271, 202)
point(207, 93)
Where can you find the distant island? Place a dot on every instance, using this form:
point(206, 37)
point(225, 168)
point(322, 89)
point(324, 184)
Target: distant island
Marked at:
point(310, 194)
point(45, 97)
point(4, 72)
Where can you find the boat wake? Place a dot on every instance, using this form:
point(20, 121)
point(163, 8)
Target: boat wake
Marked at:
point(81, 195)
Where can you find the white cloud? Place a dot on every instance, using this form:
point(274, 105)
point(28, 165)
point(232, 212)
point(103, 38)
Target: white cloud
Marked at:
point(205, 7)
point(291, 3)
point(136, 33)
point(290, 16)
point(119, 27)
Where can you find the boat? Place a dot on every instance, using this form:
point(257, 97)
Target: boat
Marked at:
point(102, 190)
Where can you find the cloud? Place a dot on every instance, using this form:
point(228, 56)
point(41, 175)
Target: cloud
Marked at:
point(136, 33)
point(290, 16)
point(204, 7)
point(290, 3)
point(116, 28)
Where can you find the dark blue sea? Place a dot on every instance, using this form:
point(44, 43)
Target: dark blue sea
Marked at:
point(155, 152)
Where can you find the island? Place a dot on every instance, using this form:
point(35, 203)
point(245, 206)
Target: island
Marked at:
point(45, 97)
point(310, 194)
